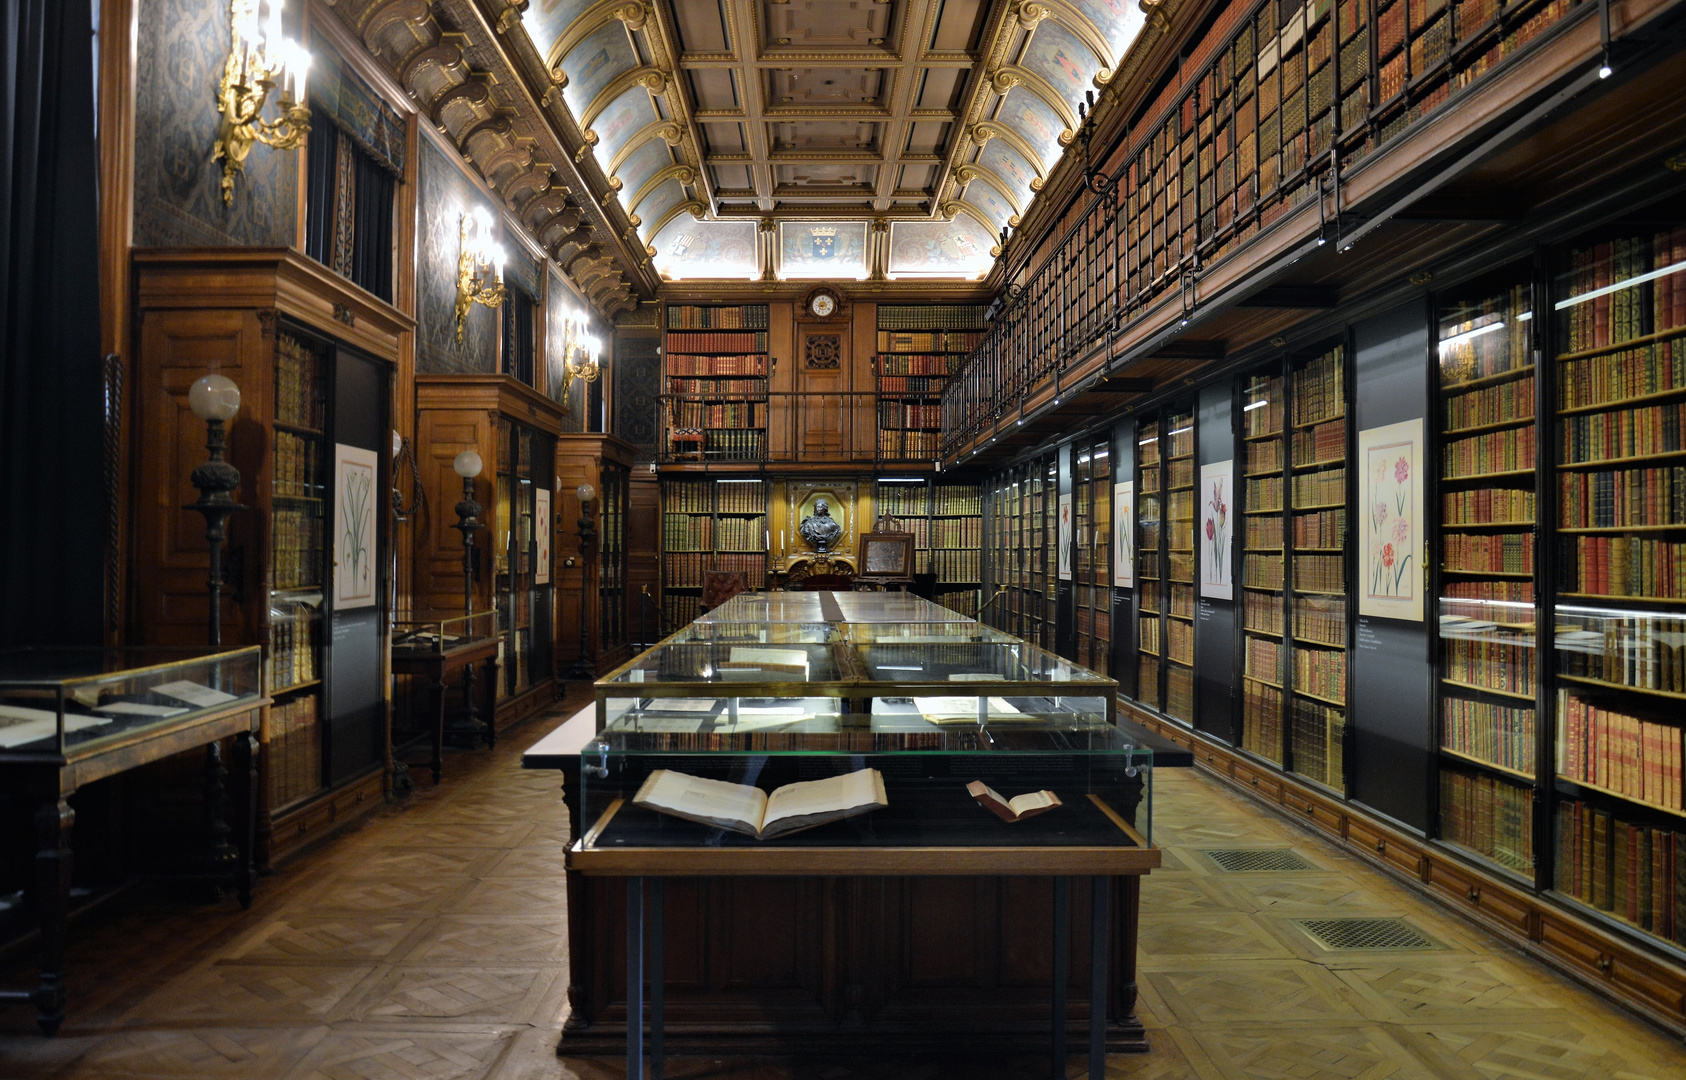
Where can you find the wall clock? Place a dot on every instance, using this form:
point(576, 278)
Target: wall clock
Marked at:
point(823, 303)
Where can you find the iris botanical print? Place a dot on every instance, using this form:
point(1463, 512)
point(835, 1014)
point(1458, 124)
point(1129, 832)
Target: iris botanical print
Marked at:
point(1217, 576)
point(1390, 513)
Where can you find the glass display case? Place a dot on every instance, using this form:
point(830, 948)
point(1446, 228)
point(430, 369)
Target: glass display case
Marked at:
point(896, 731)
point(68, 703)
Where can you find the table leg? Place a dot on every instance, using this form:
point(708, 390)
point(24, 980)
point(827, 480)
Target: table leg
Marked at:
point(1062, 968)
point(53, 822)
point(658, 976)
point(223, 857)
point(470, 714)
point(1099, 917)
point(634, 978)
point(491, 706)
point(437, 689)
point(246, 767)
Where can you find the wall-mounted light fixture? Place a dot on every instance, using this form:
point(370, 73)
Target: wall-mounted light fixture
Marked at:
point(579, 354)
point(479, 255)
point(260, 57)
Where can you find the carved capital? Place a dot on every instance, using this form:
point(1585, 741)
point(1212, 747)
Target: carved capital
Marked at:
point(1003, 81)
point(511, 17)
point(653, 81)
point(670, 133)
point(965, 174)
point(634, 15)
point(1030, 14)
point(685, 175)
point(980, 133)
point(949, 210)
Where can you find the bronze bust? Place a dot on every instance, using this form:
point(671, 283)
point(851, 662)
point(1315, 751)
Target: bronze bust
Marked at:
point(820, 529)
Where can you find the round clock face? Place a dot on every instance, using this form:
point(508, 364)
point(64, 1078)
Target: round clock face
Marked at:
point(823, 304)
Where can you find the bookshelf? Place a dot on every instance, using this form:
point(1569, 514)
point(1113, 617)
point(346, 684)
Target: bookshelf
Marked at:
point(919, 347)
point(1151, 589)
point(1486, 714)
point(1264, 606)
point(717, 367)
point(298, 528)
point(1018, 515)
point(1318, 449)
point(709, 524)
point(1619, 359)
point(1092, 555)
point(946, 520)
point(1179, 512)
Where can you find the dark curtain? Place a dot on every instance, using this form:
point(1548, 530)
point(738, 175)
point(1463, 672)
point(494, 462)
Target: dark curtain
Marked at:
point(371, 250)
point(321, 151)
point(52, 465)
point(518, 343)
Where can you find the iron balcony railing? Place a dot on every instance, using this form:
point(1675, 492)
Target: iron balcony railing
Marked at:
point(785, 427)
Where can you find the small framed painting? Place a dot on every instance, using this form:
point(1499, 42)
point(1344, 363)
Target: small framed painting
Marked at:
point(1390, 509)
point(1065, 537)
point(886, 557)
point(1123, 539)
point(541, 537)
point(355, 473)
point(1217, 529)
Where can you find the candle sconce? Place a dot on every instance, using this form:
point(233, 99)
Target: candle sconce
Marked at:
point(259, 58)
point(479, 259)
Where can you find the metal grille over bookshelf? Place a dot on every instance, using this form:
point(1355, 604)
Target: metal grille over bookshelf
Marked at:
point(1317, 535)
point(946, 521)
point(919, 347)
point(1252, 131)
point(1179, 564)
point(1150, 578)
point(294, 748)
point(716, 393)
point(1619, 332)
point(710, 525)
point(1092, 556)
point(1487, 606)
point(1263, 599)
point(1019, 515)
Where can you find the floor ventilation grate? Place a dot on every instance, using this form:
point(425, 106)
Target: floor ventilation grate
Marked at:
point(1365, 934)
point(1241, 860)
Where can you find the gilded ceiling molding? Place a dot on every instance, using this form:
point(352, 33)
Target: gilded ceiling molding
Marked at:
point(988, 176)
point(587, 24)
point(446, 56)
point(682, 173)
point(536, 180)
point(634, 15)
point(381, 17)
point(517, 155)
point(1085, 31)
point(989, 128)
point(1035, 83)
point(474, 92)
point(668, 131)
point(511, 17)
point(650, 78)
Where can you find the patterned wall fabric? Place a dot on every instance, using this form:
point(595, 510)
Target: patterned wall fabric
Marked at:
point(339, 95)
point(445, 192)
point(637, 373)
point(178, 200)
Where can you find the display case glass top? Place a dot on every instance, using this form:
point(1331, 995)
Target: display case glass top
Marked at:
point(66, 703)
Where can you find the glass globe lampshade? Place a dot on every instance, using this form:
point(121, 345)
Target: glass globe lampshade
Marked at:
point(468, 464)
point(586, 493)
point(214, 397)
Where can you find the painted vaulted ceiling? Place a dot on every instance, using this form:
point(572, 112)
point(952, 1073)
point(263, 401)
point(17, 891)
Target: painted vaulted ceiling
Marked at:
point(640, 139)
point(710, 116)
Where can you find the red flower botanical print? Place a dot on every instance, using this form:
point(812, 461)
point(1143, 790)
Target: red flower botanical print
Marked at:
point(1387, 555)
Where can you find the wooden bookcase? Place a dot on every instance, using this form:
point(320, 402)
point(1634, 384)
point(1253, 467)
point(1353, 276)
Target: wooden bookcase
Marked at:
point(946, 520)
point(605, 462)
point(710, 524)
point(919, 347)
point(313, 357)
point(1264, 597)
point(717, 368)
point(1487, 720)
point(1018, 518)
point(1092, 555)
point(1618, 831)
point(1152, 591)
point(514, 428)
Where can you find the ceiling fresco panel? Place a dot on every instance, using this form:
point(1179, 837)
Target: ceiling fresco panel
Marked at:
point(667, 195)
point(621, 119)
point(1015, 172)
point(648, 160)
point(1032, 120)
point(822, 249)
point(1057, 55)
point(958, 248)
point(547, 20)
point(690, 248)
point(595, 63)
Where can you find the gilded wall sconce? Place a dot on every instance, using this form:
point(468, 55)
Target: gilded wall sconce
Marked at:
point(579, 355)
point(478, 261)
point(260, 57)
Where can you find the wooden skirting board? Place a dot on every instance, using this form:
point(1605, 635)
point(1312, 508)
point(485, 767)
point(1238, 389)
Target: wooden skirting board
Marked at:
point(1647, 983)
point(299, 827)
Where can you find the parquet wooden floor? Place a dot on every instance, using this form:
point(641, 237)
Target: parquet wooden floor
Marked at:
point(430, 944)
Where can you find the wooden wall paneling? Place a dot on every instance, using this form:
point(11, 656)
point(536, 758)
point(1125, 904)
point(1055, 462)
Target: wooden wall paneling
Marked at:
point(170, 553)
point(440, 436)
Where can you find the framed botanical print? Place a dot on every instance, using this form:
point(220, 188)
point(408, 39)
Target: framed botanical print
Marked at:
point(355, 572)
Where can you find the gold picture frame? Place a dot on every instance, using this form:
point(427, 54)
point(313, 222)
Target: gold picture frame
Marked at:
point(886, 558)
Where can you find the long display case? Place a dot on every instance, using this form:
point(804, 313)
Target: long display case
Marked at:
point(920, 708)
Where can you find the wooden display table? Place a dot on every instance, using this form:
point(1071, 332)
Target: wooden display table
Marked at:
point(600, 853)
point(52, 778)
point(435, 664)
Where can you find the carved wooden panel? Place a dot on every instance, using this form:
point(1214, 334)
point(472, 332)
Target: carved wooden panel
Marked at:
point(823, 351)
